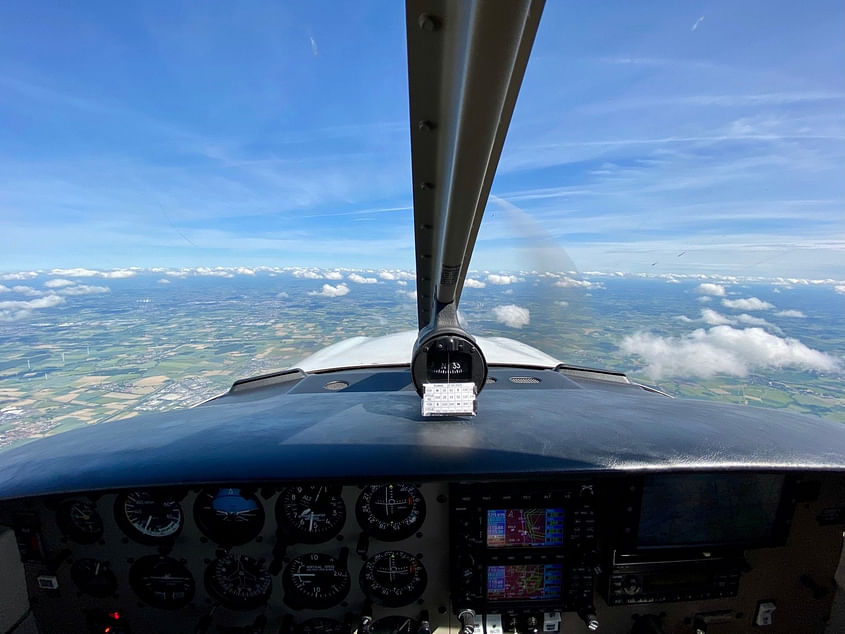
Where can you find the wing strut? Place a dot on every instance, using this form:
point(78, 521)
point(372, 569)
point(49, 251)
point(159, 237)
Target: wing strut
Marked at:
point(466, 61)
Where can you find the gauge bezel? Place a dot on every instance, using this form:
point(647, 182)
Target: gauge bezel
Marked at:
point(212, 527)
point(141, 569)
point(297, 599)
point(82, 578)
point(408, 592)
point(393, 531)
point(216, 590)
point(297, 535)
point(69, 526)
point(132, 531)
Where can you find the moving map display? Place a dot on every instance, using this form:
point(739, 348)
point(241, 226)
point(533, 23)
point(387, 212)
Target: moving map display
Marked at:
point(515, 528)
point(535, 582)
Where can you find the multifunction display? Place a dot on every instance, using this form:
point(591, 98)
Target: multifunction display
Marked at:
point(524, 582)
point(526, 527)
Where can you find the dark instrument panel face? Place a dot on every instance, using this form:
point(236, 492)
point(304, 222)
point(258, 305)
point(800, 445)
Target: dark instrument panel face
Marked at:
point(330, 558)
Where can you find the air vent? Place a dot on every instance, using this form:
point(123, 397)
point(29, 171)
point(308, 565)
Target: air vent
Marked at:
point(524, 379)
point(336, 386)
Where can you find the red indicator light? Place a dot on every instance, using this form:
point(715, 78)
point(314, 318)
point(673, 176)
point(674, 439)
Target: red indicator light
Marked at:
point(114, 615)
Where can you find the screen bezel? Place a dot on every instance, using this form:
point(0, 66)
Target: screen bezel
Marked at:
point(633, 497)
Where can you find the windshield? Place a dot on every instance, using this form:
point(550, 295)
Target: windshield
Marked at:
point(191, 194)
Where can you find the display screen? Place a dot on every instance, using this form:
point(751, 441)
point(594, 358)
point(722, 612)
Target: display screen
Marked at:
point(709, 509)
point(532, 582)
point(516, 528)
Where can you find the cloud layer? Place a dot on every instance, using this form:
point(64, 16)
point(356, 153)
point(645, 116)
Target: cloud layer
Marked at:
point(512, 315)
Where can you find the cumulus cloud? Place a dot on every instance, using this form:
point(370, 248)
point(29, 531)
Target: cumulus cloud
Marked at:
point(704, 299)
point(512, 315)
point(396, 275)
point(19, 309)
point(724, 350)
point(164, 281)
point(79, 272)
point(502, 280)
point(4, 289)
point(360, 279)
point(333, 275)
point(58, 283)
point(386, 275)
point(791, 313)
point(411, 295)
point(84, 289)
point(571, 282)
point(332, 291)
point(401, 282)
point(242, 270)
point(749, 303)
point(307, 274)
point(710, 289)
point(27, 290)
point(839, 288)
point(713, 318)
point(471, 283)
point(20, 275)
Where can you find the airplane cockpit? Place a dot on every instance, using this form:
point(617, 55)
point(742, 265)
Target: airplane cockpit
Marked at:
point(452, 483)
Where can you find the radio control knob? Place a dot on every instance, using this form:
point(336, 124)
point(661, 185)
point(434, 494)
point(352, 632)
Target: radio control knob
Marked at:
point(588, 615)
point(631, 585)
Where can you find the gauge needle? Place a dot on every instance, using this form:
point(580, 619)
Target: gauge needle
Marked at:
point(311, 523)
point(304, 574)
point(147, 525)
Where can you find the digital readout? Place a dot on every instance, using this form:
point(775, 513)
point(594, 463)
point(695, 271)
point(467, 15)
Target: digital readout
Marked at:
point(530, 582)
point(516, 528)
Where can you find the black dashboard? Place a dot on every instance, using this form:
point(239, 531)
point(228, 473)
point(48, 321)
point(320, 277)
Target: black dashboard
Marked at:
point(671, 551)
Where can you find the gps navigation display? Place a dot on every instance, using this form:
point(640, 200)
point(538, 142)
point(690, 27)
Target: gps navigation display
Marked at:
point(524, 582)
point(517, 528)
point(709, 509)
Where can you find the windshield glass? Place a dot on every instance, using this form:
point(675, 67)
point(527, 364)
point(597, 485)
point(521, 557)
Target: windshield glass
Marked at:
point(191, 194)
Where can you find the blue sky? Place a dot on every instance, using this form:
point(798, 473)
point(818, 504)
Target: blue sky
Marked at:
point(668, 137)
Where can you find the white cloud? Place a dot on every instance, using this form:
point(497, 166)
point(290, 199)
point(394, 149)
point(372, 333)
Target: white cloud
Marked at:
point(512, 315)
point(502, 280)
point(562, 302)
point(79, 272)
point(333, 275)
point(412, 295)
point(471, 283)
point(84, 289)
point(360, 279)
point(570, 282)
point(839, 288)
point(791, 313)
point(697, 23)
point(58, 283)
point(750, 303)
point(332, 291)
point(164, 281)
point(704, 299)
point(710, 289)
point(396, 275)
point(713, 318)
point(215, 272)
point(401, 282)
point(724, 350)
point(4, 289)
point(21, 275)
point(242, 270)
point(19, 309)
point(28, 291)
point(307, 274)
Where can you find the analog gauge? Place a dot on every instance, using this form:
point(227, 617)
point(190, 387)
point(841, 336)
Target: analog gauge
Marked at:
point(238, 581)
point(162, 582)
point(93, 577)
point(315, 581)
point(322, 625)
point(390, 512)
point(395, 625)
point(393, 578)
point(149, 517)
point(229, 516)
point(310, 514)
point(80, 521)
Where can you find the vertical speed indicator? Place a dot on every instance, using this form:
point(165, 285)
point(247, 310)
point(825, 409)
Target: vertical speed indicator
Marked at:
point(390, 512)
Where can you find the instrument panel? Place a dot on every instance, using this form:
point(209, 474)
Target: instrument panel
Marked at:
point(501, 557)
point(315, 557)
